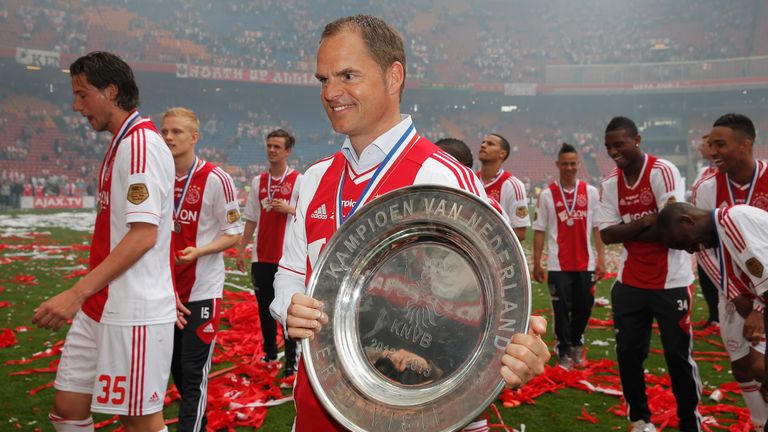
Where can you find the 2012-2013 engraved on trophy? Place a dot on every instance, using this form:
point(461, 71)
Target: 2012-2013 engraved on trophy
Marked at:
point(424, 287)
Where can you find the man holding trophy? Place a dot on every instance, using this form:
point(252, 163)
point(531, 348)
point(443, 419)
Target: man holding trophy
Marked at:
point(361, 69)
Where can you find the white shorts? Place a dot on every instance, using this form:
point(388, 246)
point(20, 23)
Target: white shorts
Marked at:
point(124, 368)
point(732, 331)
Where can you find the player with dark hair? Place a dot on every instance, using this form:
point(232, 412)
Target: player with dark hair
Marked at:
point(739, 179)
point(125, 308)
point(738, 234)
point(654, 282)
point(271, 205)
point(501, 185)
point(458, 149)
point(708, 288)
point(566, 210)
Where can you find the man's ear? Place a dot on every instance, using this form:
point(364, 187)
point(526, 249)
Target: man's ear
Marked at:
point(395, 76)
point(111, 92)
point(685, 219)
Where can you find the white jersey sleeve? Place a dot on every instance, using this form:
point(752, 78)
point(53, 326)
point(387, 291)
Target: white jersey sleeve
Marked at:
point(147, 178)
point(667, 184)
point(608, 210)
point(227, 210)
point(544, 206)
point(746, 238)
point(292, 269)
point(295, 194)
point(514, 201)
point(704, 193)
point(252, 205)
point(594, 204)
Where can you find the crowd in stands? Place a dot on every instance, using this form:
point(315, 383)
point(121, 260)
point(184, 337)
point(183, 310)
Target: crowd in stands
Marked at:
point(448, 42)
point(67, 152)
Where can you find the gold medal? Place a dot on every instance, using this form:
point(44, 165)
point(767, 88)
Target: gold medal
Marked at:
point(176, 227)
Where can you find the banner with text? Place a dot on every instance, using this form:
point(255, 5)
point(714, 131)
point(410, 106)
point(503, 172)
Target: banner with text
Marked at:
point(33, 57)
point(58, 202)
point(223, 73)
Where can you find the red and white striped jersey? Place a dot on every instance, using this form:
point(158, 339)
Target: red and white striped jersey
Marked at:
point(717, 191)
point(569, 225)
point(136, 185)
point(509, 191)
point(209, 210)
point(644, 264)
point(270, 229)
point(333, 186)
point(743, 234)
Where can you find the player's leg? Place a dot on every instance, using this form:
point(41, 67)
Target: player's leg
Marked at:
point(177, 371)
point(743, 359)
point(560, 292)
point(291, 357)
point(263, 277)
point(132, 372)
point(71, 411)
point(583, 299)
point(672, 310)
point(198, 342)
point(632, 318)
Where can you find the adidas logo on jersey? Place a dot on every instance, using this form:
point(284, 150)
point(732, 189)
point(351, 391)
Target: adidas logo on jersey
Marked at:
point(154, 397)
point(208, 328)
point(319, 213)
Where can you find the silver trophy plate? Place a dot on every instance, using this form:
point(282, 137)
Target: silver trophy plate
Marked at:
point(424, 286)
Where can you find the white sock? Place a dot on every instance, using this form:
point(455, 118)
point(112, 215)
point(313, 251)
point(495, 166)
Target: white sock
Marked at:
point(61, 425)
point(758, 410)
point(164, 429)
point(477, 426)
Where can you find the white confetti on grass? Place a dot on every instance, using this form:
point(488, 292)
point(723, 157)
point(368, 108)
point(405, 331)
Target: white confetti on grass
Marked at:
point(20, 224)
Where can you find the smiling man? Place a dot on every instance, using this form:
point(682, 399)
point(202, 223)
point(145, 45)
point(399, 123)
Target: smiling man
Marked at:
point(566, 210)
point(739, 179)
point(653, 281)
point(361, 69)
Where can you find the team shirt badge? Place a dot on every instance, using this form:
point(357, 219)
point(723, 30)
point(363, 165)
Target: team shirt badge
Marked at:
point(232, 216)
point(755, 267)
point(137, 193)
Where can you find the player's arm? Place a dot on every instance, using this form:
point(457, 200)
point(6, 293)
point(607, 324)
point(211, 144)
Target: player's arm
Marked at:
point(538, 247)
point(251, 214)
point(300, 315)
point(54, 312)
point(220, 243)
point(245, 239)
point(540, 227)
point(283, 206)
point(643, 229)
point(515, 203)
point(600, 248)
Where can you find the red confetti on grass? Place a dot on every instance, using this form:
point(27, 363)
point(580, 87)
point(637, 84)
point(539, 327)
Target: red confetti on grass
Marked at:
point(4, 304)
point(7, 338)
point(602, 376)
point(585, 416)
point(23, 279)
